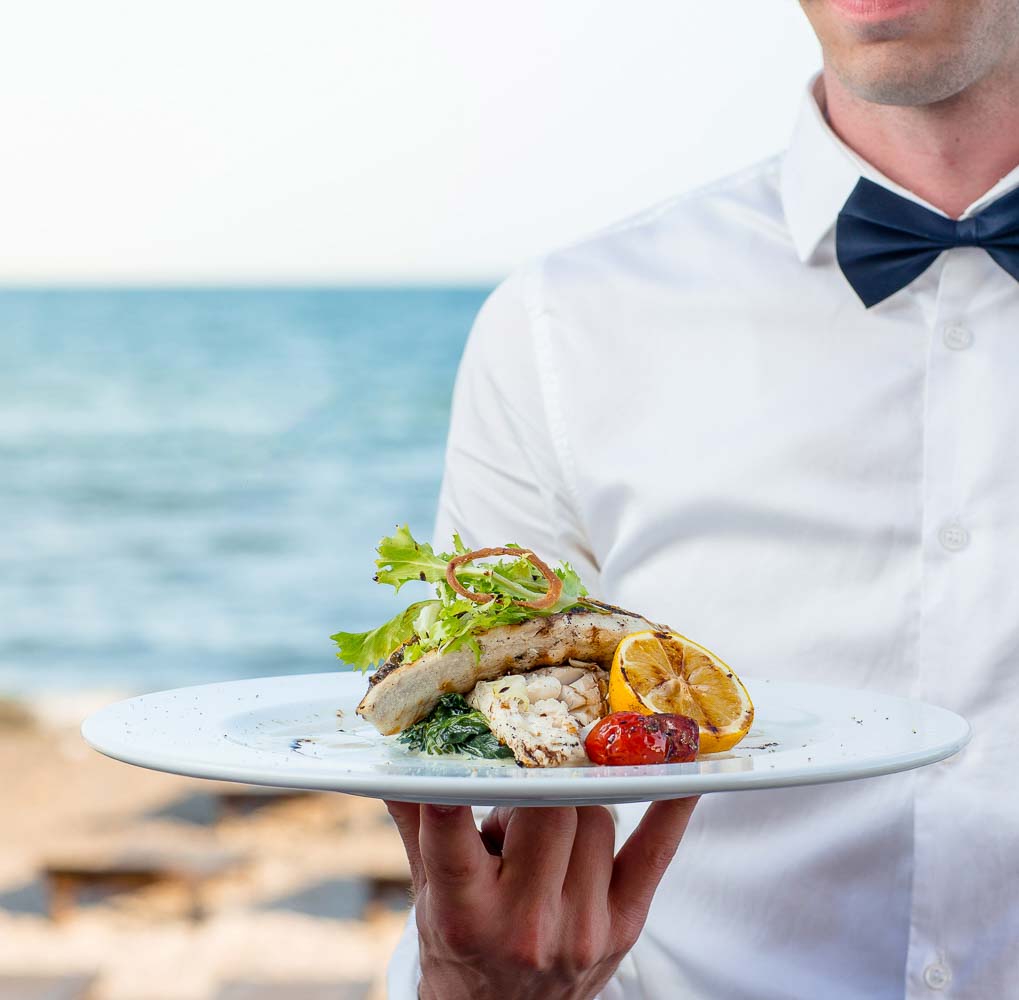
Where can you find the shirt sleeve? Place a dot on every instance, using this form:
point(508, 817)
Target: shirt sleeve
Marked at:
point(507, 472)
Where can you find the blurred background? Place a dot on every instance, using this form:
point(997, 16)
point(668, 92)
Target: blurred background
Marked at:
point(242, 244)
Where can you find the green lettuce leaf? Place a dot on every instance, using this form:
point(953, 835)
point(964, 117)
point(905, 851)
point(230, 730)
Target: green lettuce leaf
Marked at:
point(451, 621)
point(402, 559)
point(365, 649)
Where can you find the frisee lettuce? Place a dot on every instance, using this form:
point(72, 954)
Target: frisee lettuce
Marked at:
point(366, 648)
point(402, 559)
point(450, 621)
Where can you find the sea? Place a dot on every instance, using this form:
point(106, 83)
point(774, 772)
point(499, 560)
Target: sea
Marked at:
point(193, 481)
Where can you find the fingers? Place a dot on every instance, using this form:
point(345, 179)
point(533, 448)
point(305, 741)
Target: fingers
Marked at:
point(454, 860)
point(537, 845)
point(406, 817)
point(590, 869)
point(493, 829)
point(644, 858)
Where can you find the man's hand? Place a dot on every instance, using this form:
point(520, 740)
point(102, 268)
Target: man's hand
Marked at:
point(536, 905)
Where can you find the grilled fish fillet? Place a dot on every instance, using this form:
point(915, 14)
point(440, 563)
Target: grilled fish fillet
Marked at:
point(402, 693)
point(539, 715)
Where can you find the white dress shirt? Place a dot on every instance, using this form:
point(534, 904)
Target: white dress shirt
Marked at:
point(696, 410)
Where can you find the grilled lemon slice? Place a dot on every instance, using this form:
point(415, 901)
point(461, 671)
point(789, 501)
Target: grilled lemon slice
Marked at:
point(666, 672)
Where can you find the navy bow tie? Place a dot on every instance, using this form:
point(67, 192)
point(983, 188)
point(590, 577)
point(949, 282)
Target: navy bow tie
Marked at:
point(884, 241)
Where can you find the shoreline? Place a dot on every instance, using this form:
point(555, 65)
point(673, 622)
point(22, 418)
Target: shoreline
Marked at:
point(55, 708)
point(315, 890)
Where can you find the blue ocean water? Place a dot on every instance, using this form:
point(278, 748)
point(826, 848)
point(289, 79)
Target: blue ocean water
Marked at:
point(192, 482)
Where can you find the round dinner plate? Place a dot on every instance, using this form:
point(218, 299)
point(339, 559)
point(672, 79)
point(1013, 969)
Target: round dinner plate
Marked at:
point(301, 732)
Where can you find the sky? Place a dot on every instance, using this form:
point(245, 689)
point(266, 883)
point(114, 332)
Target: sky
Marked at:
point(368, 141)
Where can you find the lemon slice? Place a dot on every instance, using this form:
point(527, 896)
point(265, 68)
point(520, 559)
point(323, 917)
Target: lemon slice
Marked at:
point(666, 672)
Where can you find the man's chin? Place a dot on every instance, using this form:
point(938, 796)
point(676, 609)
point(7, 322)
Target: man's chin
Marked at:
point(895, 76)
point(915, 53)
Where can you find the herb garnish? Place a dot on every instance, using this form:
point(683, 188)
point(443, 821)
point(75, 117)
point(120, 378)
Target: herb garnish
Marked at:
point(450, 620)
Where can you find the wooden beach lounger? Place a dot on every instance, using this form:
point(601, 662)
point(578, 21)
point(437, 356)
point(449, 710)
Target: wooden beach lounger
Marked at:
point(127, 869)
point(237, 800)
point(70, 987)
point(296, 990)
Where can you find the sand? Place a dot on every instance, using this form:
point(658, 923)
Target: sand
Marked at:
point(317, 893)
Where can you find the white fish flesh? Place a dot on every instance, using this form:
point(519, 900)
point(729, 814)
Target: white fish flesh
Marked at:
point(541, 715)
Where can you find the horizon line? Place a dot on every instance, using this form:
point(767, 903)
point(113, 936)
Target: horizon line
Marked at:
point(63, 284)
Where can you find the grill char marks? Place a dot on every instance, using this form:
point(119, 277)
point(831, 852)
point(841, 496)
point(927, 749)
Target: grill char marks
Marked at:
point(395, 660)
point(400, 694)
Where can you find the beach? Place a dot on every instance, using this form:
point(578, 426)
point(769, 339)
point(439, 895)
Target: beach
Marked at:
point(313, 887)
point(192, 483)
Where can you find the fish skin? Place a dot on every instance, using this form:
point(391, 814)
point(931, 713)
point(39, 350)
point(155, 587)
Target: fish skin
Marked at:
point(401, 694)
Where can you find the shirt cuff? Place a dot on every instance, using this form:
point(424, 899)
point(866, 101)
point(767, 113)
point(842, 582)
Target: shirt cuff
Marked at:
point(404, 973)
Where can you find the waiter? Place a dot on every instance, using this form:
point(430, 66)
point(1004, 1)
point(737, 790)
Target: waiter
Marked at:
point(782, 414)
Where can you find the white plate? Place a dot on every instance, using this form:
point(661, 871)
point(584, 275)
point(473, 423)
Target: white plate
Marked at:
point(301, 732)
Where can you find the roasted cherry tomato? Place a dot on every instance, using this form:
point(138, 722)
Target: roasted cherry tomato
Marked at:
point(632, 738)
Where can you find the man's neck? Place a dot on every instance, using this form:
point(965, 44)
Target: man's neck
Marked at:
point(948, 153)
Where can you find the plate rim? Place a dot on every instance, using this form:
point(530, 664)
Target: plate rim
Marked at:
point(489, 790)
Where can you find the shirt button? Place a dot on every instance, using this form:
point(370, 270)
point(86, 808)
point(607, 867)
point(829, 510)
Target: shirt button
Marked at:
point(958, 337)
point(937, 976)
point(953, 537)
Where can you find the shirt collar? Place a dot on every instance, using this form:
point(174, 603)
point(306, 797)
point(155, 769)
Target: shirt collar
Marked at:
point(819, 171)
